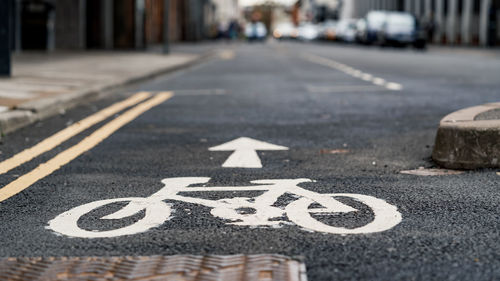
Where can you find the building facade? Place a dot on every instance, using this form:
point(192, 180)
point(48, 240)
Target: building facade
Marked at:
point(463, 22)
point(315, 10)
point(226, 11)
point(105, 24)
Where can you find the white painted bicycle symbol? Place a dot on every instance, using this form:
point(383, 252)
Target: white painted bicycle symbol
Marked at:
point(301, 211)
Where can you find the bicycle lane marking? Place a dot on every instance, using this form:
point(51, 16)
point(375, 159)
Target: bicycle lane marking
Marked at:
point(69, 132)
point(266, 213)
point(86, 144)
point(245, 152)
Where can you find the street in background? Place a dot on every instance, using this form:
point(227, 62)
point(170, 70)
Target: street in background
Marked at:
point(155, 140)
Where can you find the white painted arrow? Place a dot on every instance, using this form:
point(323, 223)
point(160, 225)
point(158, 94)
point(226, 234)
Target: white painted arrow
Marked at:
point(245, 152)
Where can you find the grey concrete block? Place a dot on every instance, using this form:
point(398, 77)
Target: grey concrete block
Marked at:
point(468, 139)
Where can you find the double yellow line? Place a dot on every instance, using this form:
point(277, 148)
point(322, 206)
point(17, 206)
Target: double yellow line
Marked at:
point(86, 144)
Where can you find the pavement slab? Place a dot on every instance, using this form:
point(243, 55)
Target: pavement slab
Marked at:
point(48, 84)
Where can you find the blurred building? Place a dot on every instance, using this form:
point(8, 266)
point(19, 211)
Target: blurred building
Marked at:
point(262, 13)
point(465, 22)
point(106, 24)
point(226, 11)
point(325, 10)
point(315, 10)
point(281, 14)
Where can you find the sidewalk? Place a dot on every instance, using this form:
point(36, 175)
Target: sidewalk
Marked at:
point(44, 84)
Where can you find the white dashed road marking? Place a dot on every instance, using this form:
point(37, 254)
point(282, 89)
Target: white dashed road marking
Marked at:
point(342, 88)
point(353, 72)
point(200, 92)
point(394, 86)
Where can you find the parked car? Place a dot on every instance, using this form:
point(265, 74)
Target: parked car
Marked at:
point(346, 30)
point(360, 31)
point(374, 21)
point(285, 30)
point(308, 32)
point(256, 31)
point(327, 30)
point(401, 29)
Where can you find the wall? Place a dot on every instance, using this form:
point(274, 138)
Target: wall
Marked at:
point(70, 24)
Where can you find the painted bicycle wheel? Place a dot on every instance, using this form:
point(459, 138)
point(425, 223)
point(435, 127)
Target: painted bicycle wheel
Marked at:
point(386, 216)
point(156, 213)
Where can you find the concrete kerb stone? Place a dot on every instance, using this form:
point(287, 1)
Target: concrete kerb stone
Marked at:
point(16, 119)
point(464, 142)
point(36, 110)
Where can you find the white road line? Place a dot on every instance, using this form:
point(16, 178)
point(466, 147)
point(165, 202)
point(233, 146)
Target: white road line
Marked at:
point(366, 77)
point(357, 74)
point(394, 86)
point(342, 88)
point(200, 92)
point(353, 72)
point(378, 81)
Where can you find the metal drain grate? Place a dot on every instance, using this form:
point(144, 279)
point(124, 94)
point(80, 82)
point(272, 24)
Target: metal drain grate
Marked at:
point(178, 268)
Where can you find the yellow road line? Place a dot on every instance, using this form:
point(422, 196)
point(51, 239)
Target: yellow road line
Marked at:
point(69, 132)
point(86, 144)
point(227, 54)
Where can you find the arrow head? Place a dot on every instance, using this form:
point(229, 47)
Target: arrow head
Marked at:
point(245, 143)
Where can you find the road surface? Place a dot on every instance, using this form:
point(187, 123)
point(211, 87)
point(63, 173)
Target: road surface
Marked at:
point(338, 120)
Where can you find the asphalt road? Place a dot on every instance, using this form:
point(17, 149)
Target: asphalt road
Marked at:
point(349, 135)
